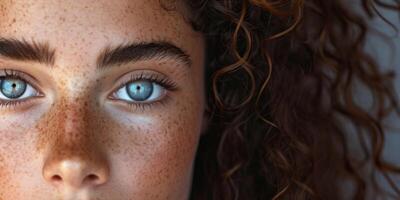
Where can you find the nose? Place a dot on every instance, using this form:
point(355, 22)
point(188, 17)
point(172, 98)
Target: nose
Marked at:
point(75, 173)
point(74, 160)
point(73, 156)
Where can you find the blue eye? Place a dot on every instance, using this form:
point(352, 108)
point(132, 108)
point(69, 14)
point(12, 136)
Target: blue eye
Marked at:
point(15, 89)
point(140, 91)
point(12, 88)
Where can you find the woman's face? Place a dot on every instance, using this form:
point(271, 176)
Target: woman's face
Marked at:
point(99, 100)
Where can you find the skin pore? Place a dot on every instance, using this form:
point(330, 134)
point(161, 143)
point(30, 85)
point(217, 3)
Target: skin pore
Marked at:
point(76, 136)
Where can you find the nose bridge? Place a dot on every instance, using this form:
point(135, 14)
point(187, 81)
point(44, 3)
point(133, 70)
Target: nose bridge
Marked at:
point(66, 121)
point(69, 123)
point(76, 116)
point(72, 104)
point(73, 141)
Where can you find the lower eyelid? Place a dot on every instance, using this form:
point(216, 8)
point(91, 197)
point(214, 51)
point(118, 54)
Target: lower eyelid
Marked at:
point(113, 98)
point(134, 107)
point(20, 105)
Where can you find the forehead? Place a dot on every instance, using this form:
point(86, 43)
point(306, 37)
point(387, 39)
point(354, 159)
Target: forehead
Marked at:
point(88, 25)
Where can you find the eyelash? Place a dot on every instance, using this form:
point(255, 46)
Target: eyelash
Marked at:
point(10, 73)
point(162, 81)
point(12, 104)
point(166, 83)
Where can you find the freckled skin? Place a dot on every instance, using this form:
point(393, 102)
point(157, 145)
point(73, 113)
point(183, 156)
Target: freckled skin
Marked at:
point(76, 143)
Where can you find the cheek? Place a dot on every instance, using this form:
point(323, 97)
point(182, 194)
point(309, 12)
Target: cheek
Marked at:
point(156, 153)
point(16, 158)
point(150, 152)
point(5, 183)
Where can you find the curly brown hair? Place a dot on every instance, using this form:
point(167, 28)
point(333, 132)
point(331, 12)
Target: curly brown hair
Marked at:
point(281, 80)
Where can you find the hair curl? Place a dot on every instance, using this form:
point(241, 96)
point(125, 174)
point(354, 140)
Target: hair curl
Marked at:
point(281, 78)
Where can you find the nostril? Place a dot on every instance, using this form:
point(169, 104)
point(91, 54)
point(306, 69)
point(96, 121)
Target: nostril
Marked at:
point(91, 179)
point(56, 179)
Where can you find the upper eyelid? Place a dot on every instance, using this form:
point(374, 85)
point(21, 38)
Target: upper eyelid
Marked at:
point(163, 81)
point(128, 77)
point(21, 74)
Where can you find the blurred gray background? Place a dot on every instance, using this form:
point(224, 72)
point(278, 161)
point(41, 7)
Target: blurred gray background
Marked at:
point(388, 55)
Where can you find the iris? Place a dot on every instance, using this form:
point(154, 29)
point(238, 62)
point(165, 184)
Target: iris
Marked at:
point(12, 88)
point(140, 90)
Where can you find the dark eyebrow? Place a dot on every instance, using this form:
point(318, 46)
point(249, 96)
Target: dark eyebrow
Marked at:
point(126, 53)
point(27, 51)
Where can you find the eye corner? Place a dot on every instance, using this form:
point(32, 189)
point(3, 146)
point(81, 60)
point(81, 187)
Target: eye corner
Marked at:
point(111, 95)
